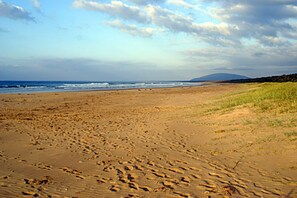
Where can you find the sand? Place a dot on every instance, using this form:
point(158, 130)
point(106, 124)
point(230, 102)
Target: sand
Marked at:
point(140, 143)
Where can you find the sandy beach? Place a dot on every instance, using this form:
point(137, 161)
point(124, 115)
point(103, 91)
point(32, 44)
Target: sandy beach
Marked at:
point(142, 143)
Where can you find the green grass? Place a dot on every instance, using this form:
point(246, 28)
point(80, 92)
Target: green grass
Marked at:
point(279, 97)
point(284, 120)
point(292, 135)
point(276, 123)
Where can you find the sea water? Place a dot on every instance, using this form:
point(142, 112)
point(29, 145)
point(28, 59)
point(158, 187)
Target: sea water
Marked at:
point(61, 86)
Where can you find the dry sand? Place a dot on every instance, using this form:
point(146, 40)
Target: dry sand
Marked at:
point(140, 143)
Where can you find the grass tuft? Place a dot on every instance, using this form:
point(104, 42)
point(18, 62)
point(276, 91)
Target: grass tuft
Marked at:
point(291, 134)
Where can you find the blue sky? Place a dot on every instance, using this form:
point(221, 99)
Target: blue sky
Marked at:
point(146, 40)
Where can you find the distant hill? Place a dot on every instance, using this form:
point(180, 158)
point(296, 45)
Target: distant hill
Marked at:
point(219, 77)
point(283, 78)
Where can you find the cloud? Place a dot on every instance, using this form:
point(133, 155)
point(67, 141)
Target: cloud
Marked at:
point(146, 2)
point(170, 20)
point(256, 12)
point(180, 3)
point(160, 17)
point(156, 15)
point(230, 22)
point(252, 61)
point(114, 9)
point(36, 4)
point(270, 22)
point(132, 29)
point(82, 69)
point(251, 57)
point(209, 32)
point(14, 12)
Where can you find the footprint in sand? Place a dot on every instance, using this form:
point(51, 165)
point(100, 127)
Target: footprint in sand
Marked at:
point(168, 184)
point(133, 185)
point(186, 179)
point(195, 176)
point(194, 168)
point(123, 179)
point(150, 178)
point(69, 170)
point(73, 172)
point(35, 182)
point(132, 177)
point(182, 161)
point(184, 168)
point(145, 188)
point(115, 188)
point(30, 193)
point(151, 163)
point(215, 175)
point(108, 168)
point(138, 167)
point(230, 190)
point(43, 166)
point(121, 171)
point(102, 180)
point(257, 194)
point(209, 186)
point(161, 175)
point(129, 167)
point(176, 170)
point(186, 195)
point(153, 170)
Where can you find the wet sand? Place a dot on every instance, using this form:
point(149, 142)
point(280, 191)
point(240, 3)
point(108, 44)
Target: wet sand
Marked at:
point(141, 143)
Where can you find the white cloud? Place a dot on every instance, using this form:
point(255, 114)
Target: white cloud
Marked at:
point(209, 32)
point(180, 3)
point(132, 29)
point(146, 2)
point(268, 22)
point(114, 9)
point(251, 57)
point(158, 16)
point(166, 18)
point(14, 12)
point(36, 4)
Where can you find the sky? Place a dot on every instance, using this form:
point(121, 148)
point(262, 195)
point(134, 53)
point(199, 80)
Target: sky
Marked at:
point(136, 40)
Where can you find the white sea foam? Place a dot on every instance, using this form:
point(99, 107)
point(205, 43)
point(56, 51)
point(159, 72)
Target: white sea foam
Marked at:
point(84, 85)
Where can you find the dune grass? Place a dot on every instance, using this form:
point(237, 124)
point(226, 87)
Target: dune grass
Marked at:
point(278, 97)
point(291, 134)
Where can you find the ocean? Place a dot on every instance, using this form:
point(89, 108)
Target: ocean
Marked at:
point(62, 86)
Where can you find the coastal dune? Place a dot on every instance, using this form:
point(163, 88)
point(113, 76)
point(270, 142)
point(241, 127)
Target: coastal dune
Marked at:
point(141, 143)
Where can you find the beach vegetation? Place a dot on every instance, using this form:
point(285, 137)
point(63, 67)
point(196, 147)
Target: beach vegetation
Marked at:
point(282, 120)
point(292, 135)
point(276, 97)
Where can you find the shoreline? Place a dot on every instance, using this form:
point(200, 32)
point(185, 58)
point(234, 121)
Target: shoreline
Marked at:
point(107, 90)
point(151, 143)
point(65, 86)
